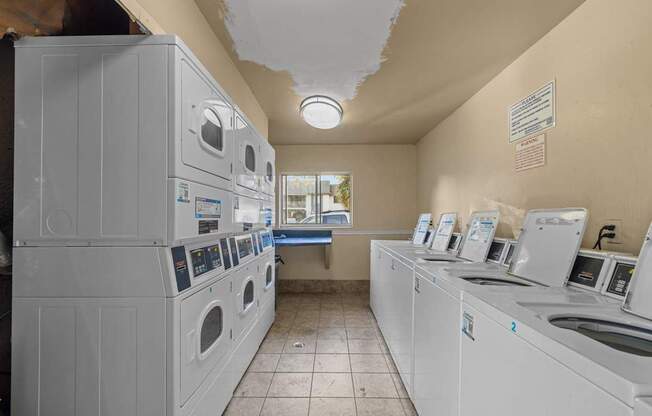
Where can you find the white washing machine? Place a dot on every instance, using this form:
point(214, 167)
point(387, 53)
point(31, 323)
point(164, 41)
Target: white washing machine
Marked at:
point(576, 354)
point(546, 252)
point(479, 237)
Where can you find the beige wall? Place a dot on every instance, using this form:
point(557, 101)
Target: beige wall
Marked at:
point(600, 154)
point(183, 18)
point(384, 199)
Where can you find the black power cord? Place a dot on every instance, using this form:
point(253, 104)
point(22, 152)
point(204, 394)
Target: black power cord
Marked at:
point(605, 232)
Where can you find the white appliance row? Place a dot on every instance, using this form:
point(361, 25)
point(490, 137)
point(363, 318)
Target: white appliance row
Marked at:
point(143, 259)
point(481, 339)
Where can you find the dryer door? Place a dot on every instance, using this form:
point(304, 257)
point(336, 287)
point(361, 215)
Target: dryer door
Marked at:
point(206, 322)
point(207, 126)
point(268, 278)
point(246, 301)
point(247, 160)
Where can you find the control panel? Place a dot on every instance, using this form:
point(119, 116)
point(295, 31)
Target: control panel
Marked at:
point(496, 250)
point(620, 276)
point(205, 259)
point(455, 242)
point(511, 246)
point(196, 263)
point(589, 270)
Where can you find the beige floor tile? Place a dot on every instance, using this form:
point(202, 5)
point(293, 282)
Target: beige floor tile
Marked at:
point(332, 407)
point(285, 407)
point(368, 363)
point(361, 333)
point(379, 407)
point(332, 363)
point(254, 385)
point(332, 385)
point(331, 322)
point(244, 406)
point(296, 363)
point(358, 323)
point(374, 385)
point(400, 388)
point(264, 363)
point(390, 363)
point(364, 346)
point(299, 346)
point(332, 333)
point(332, 346)
point(271, 346)
point(303, 332)
point(408, 407)
point(290, 385)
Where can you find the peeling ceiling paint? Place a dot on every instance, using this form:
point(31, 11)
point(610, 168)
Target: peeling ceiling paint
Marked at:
point(327, 47)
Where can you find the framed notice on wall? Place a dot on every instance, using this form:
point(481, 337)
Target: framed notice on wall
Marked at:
point(533, 114)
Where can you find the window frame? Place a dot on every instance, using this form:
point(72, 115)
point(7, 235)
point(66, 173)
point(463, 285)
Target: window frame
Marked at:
point(282, 200)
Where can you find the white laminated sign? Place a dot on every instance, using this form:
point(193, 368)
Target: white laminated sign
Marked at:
point(533, 114)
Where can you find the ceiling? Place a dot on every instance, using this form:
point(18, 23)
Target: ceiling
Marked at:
point(439, 53)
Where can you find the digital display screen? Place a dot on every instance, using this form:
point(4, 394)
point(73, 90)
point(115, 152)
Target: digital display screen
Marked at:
point(620, 279)
point(214, 257)
point(586, 270)
point(496, 251)
point(245, 247)
point(452, 244)
point(198, 258)
point(510, 254)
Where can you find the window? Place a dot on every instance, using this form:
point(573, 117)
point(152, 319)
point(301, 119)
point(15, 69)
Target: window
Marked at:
point(250, 158)
point(211, 130)
point(270, 172)
point(269, 276)
point(248, 296)
point(211, 329)
point(316, 200)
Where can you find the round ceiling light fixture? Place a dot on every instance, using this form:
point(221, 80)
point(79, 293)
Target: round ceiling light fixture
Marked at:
point(321, 112)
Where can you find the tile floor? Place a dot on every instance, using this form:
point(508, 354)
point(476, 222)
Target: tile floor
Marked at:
point(324, 356)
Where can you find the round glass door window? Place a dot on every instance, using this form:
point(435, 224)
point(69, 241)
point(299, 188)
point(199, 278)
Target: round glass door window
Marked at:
point(211, 328)
point(211, 130)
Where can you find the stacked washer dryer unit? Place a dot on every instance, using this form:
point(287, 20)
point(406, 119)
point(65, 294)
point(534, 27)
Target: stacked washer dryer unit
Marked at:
point(253, 204)
point(134, 245)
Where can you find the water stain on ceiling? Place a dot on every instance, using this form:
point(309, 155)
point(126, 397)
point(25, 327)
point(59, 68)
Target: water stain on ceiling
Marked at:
point(394, 90)
point(327, 47)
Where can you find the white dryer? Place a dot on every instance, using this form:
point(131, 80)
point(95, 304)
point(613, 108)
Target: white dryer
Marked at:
point(267, 169)
point(203, 125)
point(247, 158)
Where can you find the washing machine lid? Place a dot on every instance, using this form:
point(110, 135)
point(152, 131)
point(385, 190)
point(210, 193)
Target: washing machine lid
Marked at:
point(548, 244)
point(444, 231)
point(637, 301)
point(480, 235)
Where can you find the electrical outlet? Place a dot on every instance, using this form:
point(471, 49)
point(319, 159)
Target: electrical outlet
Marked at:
point(618, 231)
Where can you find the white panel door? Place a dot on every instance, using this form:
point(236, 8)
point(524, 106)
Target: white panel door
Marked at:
point(436, 349)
